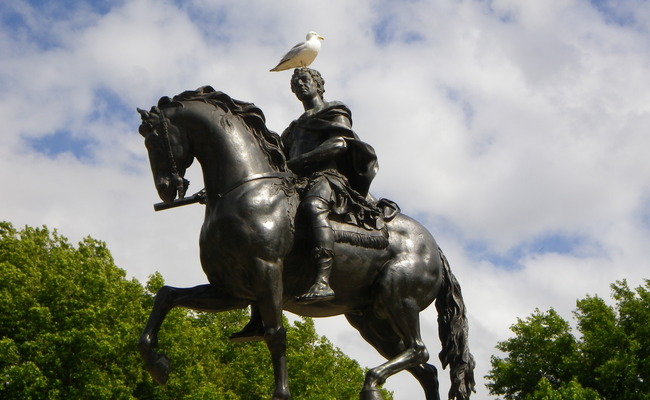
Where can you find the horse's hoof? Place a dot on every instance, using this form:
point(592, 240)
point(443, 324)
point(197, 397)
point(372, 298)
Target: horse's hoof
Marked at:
point(159, 369)
point(371, 394)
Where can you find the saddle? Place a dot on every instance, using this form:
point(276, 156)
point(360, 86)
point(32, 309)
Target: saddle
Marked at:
point(357, 234)
point(364, 228)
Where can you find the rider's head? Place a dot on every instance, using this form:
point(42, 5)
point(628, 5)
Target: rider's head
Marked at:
point(299, 74)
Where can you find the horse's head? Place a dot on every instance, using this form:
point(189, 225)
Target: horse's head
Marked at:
point(169, 153)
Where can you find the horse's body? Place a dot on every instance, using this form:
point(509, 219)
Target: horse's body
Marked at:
point(251, 254)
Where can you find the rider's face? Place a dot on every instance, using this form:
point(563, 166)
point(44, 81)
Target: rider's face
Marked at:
point(304, 86)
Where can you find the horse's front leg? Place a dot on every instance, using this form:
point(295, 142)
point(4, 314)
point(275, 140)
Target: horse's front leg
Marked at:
point(201, 298)
point(268, 289)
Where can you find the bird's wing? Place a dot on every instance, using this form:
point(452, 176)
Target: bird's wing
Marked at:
point(293, 52)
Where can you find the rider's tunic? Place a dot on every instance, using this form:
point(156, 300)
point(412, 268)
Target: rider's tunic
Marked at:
point(344, 182)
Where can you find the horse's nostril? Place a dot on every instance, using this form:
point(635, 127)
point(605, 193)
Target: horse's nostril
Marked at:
point(162, 185)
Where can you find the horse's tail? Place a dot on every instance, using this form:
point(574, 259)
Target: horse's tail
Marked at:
point(453, 331)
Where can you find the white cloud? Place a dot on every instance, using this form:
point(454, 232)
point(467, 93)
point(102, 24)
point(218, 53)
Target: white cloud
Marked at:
point(509, 121)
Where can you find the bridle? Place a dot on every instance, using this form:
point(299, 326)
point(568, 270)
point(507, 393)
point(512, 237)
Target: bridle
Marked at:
point(182, 184)
point(178, 181)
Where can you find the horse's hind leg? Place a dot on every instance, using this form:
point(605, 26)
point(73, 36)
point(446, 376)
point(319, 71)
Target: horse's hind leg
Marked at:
point(427, 375)
point(383, 337)
point(201, 298)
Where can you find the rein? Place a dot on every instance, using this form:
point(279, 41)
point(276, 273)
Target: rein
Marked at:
point(201, 197)
point(254, 177)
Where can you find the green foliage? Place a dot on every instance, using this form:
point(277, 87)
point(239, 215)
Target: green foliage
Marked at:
point(69, 322)
point(542, 348)
point(566, 391)
point(331, 369)
point(610, 359)
point(67, 319)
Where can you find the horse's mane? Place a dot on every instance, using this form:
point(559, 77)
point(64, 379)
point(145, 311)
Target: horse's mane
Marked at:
point(249, 113)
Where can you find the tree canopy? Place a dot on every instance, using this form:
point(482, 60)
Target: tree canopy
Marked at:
point(69, 322)
point(609, 359)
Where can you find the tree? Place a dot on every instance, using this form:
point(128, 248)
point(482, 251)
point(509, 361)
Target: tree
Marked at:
point(69, 322)
point(67, 319)
point(566, 391)
point(610, 359)
point(543, 348)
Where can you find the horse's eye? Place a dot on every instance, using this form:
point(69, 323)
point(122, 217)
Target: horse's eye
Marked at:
point(149, 140)
point(146, 130)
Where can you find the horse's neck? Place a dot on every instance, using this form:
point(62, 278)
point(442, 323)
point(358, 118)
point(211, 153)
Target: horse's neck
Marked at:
point(228, 152)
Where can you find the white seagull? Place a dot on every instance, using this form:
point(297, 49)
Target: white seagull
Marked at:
point(302, 54)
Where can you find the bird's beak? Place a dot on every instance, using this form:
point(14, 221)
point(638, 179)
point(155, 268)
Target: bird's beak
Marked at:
point(321, 38)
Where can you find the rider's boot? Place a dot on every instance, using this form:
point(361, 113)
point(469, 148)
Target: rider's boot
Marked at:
point(320, 290)
point(254, 329)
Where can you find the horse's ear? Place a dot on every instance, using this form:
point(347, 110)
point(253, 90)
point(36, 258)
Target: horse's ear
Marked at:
point(143, 114)
point(145, 128)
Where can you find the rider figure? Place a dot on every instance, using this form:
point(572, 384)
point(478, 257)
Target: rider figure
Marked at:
point(321, 146)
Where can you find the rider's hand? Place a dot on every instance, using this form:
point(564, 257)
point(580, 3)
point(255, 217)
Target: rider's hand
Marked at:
point(295, 163)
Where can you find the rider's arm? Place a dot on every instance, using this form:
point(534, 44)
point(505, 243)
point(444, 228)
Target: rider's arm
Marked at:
point(329, 149)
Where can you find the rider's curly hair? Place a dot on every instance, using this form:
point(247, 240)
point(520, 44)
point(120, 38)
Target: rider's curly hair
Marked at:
point(315, 75)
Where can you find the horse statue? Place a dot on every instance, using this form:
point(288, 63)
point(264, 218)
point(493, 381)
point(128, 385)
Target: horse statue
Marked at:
point(252, 251)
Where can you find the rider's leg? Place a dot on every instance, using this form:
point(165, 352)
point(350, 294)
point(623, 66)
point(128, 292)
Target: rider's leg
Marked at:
point(318, 210)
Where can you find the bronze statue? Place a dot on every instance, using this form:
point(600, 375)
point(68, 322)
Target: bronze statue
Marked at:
point(321, 146)
point(255, 251)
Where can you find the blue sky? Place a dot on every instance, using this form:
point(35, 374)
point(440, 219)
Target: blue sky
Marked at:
point(56, 143)
point(515, 131)
point(620, 13)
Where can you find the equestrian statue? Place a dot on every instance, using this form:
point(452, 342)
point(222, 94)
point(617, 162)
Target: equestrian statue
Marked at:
point(290, 225)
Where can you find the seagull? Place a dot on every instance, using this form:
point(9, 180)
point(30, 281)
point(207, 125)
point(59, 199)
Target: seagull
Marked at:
point(302, 54)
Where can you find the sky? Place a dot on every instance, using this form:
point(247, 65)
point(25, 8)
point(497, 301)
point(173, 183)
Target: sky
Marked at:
point(515, 131)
